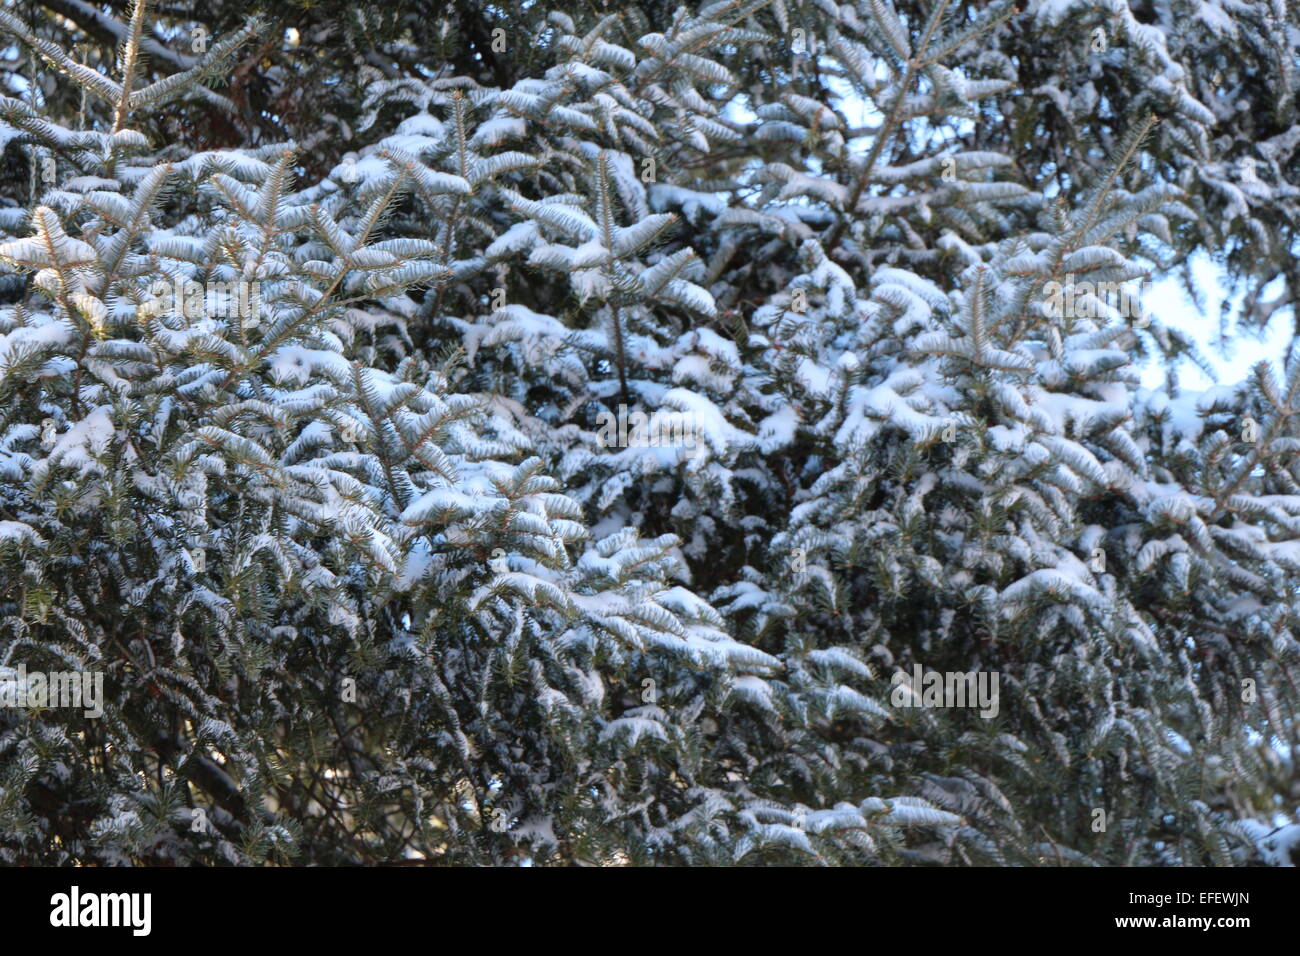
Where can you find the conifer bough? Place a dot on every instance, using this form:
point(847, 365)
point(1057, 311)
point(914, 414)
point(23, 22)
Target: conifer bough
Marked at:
point(341, 527)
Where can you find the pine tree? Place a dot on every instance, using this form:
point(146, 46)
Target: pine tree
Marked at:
point(573, 470)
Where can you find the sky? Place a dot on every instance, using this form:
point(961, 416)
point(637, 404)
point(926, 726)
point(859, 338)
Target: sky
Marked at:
point(1167, 302)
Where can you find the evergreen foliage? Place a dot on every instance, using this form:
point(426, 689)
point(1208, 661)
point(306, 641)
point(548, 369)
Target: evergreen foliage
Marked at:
point(345, 464)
